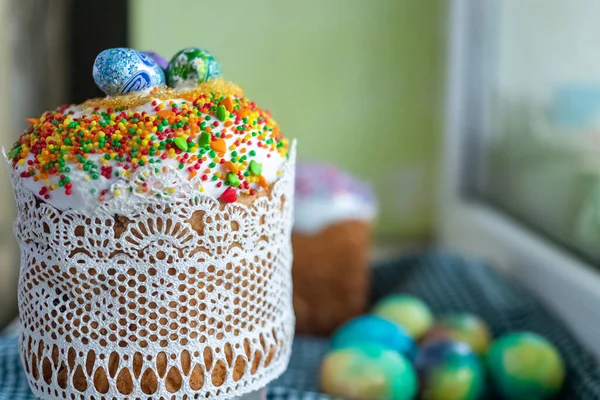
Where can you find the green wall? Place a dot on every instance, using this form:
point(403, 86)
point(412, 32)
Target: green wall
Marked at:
point(357, 82)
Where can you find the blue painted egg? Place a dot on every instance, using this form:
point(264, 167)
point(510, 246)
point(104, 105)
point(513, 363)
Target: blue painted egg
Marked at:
point(368, 371)
point(407, 311)
point(190, 67)
point(121, 71)
point(525, 366)
point(157, 58)
point(449, 371)
point(373, 329)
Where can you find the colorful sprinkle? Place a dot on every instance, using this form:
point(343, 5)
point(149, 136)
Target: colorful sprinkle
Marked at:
point(230, 167)
point(181, 143)
point(218, 145)
point(204, 139)
point(262, 181)
point(227, 103)
point(255, 168)
point(229, 195)
point(221, 113)
point(110, 139)
point(233, 179)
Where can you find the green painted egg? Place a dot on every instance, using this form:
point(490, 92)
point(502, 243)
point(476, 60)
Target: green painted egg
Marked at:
point(368, 371)
point(407, 311)
point(525, 366)
point(190, 67)
point(466, 328)
point(449, 371)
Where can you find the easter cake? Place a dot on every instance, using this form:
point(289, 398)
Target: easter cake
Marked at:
point(333, 215)
point(154, 227)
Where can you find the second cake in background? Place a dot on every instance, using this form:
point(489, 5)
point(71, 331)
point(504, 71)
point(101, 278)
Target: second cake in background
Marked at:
point(331, 238)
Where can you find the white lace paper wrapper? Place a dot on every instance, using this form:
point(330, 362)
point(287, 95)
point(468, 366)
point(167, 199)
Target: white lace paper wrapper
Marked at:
point(173, 298)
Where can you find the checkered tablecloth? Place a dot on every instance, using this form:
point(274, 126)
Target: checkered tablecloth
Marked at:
point(448, 283)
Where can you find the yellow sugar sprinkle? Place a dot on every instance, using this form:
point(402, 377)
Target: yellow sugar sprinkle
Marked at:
point(22, 162)
point(117, 193)
point(218, 86)
point(171, 190)
point(201, 188)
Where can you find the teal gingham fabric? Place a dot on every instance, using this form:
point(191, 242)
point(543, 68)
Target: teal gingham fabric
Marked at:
point(13, 383)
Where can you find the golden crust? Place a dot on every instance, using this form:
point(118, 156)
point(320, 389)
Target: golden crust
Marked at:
point(218, 85)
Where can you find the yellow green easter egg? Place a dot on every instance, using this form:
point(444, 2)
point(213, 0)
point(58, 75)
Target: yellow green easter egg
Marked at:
point(406, 311)
point(525, 366)
point(368, 371)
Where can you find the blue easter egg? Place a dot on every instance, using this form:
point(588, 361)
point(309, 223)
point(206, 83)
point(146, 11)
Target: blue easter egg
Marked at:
point(373, 329)
point(525, 366)
point(121, 71)
point(449, 371)
point(368, 371)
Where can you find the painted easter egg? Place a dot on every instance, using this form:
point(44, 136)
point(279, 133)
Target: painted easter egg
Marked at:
point(190, 67)
point(449, 371)
point(368, 371)
point(373, 329)
point(121, 71)
point(407, 311)
point(524, 365)
point(467, 328)
point(157, 58)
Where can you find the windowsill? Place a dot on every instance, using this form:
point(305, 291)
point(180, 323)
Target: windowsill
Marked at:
point(567, 285)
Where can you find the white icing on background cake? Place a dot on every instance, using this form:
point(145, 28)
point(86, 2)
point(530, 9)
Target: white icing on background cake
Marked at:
point(326, 195)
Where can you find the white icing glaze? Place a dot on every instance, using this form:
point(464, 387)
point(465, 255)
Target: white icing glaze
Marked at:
point(326, 195)
point(314, 214)
point(83, 199)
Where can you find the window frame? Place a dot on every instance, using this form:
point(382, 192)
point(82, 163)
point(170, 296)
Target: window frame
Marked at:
point(566, 284)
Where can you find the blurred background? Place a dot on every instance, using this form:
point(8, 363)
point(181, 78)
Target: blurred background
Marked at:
point(362, 85)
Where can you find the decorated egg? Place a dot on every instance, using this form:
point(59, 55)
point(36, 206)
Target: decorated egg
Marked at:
point(407, 311)
point(368, 371)
point(467, 328)
point(449, 371)
point(525, 366)
point(190, 67)
point(121, 71)
point(157, 59)
point(373, 329)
